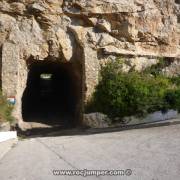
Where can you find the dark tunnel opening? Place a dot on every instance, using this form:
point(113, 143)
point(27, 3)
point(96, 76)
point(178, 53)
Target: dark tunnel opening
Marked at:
point(52, 94)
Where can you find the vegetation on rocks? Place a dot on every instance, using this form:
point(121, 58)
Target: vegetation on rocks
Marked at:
point(121, 94)
point(5, 110)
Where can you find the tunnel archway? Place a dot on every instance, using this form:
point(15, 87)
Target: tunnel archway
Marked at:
point(52, 94)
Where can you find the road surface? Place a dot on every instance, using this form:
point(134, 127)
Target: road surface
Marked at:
point(139, 154)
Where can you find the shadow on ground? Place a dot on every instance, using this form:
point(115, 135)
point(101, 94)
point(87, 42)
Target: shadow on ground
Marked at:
point(80, 130)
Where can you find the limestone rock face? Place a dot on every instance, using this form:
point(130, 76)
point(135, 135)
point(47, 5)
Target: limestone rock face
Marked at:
point(145, 27)
point(89, 32)
point(96, 120)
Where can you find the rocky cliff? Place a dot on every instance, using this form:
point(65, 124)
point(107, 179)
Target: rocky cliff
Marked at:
point(89, 31)
point(144, 27)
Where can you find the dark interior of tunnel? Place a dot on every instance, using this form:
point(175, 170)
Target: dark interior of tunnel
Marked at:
point(52, 94)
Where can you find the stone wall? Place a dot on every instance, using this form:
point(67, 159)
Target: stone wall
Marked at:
point(86, 33)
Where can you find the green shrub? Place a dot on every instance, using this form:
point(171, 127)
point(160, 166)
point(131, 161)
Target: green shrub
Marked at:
point(176, 81)
point(5, 110)
point(173, 98)
point(120, 94)
point(156, 69)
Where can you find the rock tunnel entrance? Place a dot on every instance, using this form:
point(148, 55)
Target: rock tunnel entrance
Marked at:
point(52, 94)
